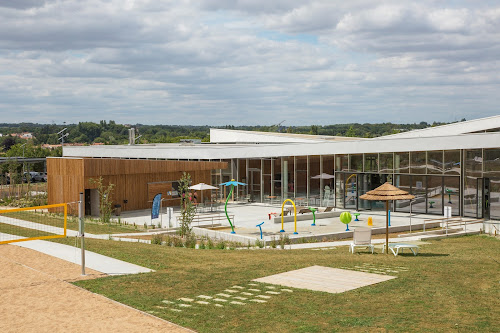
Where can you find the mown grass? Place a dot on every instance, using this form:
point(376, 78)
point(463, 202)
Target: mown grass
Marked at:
point(92, 227)
point(452, 285)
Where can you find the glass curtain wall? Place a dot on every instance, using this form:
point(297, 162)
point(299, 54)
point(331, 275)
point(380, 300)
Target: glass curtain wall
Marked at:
point(266, 175)
point(328, 184)
point(314, 184)
point(254, 186)
point(277, 178)
point(301, 174)
point(492, 172)
point(473, 160)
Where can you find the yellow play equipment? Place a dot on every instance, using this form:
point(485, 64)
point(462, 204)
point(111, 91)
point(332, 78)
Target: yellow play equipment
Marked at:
point(294, 217)
point(370, 221)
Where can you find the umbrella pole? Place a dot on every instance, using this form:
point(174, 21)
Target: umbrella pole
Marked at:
point(387, 227)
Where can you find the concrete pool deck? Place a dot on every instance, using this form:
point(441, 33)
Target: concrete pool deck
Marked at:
point(247, 216)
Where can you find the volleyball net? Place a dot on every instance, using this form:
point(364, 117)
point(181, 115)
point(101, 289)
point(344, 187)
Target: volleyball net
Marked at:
point(40, 222)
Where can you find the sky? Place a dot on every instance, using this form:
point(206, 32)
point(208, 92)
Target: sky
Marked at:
point(248, 62)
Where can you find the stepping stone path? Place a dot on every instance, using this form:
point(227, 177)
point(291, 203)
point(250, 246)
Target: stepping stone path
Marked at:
point(236, 295)
point(205, 297)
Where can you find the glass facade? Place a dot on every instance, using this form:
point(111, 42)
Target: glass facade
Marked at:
point(467, 180)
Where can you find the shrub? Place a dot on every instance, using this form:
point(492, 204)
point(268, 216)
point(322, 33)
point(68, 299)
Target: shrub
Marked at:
point(157, 239)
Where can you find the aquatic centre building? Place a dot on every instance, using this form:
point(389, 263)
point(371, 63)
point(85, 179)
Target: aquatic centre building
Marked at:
point(455, 165)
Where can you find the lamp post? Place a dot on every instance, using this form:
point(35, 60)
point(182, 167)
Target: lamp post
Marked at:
point(23, 145)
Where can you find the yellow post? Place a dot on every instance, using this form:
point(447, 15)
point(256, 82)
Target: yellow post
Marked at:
point(294, 215)
point(370, 221)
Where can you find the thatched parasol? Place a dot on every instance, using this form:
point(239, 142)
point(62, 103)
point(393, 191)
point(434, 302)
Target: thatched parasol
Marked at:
point(387, 192)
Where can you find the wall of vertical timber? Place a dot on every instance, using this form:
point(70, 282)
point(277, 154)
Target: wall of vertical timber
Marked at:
point(136, 181)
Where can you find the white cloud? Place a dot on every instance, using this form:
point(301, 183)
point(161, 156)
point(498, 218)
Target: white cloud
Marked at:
point(218, 62)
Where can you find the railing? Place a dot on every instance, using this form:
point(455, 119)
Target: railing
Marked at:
point(208, 218)
point(447, 221)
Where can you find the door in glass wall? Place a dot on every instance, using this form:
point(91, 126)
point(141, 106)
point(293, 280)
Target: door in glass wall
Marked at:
point(452, 194)
point(495, 198)
point(351, 191)
point(486, 198)
point(435, 195)
point(339, 189)
point(254, 180)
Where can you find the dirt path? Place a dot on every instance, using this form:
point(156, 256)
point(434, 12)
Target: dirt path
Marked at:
point(36, 297)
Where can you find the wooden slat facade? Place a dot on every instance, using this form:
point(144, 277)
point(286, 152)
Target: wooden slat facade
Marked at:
point(67, 177)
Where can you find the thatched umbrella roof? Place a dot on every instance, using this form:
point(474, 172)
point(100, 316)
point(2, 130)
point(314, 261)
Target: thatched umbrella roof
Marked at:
point(387, 192)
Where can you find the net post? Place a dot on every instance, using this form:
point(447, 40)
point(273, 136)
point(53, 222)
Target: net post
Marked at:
point(82, 230)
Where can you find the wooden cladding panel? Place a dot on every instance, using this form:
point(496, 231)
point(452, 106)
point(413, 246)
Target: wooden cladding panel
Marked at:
point(96, 167)
point(68, 177)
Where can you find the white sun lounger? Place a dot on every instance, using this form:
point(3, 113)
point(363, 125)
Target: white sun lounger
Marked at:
point(398, 246)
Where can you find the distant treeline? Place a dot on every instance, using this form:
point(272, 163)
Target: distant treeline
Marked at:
point(113, 133)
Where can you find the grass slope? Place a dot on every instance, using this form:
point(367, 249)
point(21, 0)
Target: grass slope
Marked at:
point(452, 285)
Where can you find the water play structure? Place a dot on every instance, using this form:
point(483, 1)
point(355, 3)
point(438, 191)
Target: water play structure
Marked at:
point(231, 183)
point(294, 214)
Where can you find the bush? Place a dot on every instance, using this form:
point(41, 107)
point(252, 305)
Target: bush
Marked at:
point(157, 239)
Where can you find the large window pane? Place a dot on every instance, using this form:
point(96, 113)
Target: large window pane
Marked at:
point(356, 162)
point(435, 162)
point(474, 162)
point(492, 163)
point(402, 182)
point(418, 189)
point(314, 169)
point(401, 162)
point(452, 162)
point(371, 162)
point(435, 194)
point(341, 163)
point(386, 163)
point(452, 194)
point(418, 162)
point(471, 196)
point(328, 168)
point(301, 172)
point(495, 198)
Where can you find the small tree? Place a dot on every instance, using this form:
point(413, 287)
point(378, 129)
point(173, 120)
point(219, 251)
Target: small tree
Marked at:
point(105, 202)
point(187, 208)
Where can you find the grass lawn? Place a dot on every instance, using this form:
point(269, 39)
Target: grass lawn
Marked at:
point(452, 285)
point(92, 227)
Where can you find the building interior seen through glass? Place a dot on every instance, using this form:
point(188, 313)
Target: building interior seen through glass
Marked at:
point(339, 180)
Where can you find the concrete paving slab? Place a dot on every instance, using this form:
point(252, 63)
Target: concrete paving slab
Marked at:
point(93, 260)
point(327, 279)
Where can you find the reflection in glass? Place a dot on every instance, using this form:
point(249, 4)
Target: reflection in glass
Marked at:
point(401, 162)
point(452, 162)
point(356, 162)
point(314, 169)
point(371, 162)
point(301, 173)
point(452, 194)
point(435, 195)
point(492, 162)
point(386, 163)
point(341, 163)
point(435, 162)
point(402, 182)
point(418, 162)
point(418, 189)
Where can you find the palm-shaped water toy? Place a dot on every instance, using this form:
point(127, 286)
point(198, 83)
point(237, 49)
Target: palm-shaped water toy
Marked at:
point(232, 183)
